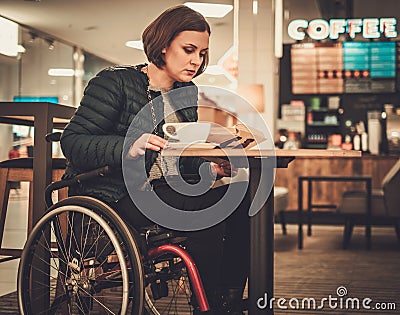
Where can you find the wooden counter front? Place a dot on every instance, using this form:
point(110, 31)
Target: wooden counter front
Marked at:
point(328, 192)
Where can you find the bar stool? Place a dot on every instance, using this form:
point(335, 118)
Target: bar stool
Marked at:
point(21, 170)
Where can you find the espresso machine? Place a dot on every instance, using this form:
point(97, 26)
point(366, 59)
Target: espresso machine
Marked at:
point(393, 133)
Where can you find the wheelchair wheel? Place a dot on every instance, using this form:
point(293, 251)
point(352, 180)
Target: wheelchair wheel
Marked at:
point(168, 289)
point(80, 259)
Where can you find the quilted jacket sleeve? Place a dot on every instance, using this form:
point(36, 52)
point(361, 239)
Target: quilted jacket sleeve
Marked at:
point(89, 141)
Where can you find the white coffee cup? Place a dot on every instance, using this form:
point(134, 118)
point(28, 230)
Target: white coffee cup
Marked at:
point(190, 132)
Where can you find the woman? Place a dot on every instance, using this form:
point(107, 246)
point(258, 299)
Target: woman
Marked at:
point(176, 45)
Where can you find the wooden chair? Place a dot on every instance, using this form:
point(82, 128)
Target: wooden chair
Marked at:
point(281, 195)
point(373, 206)
point(21, 170)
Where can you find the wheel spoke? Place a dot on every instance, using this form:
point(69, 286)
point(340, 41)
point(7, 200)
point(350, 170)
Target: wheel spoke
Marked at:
point(67, 278)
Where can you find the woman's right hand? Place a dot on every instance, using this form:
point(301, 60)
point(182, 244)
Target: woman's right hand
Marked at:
point(146, 141)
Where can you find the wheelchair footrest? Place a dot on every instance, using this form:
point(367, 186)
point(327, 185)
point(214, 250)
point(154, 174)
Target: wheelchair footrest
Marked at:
point(159, 289)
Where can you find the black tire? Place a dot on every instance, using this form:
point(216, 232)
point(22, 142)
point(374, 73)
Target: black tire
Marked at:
point(91, 266)
point(172, 282)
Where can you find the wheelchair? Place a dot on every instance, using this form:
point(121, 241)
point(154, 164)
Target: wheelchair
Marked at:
point(82, 258)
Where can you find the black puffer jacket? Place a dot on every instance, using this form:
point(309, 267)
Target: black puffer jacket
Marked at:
point(97, 134)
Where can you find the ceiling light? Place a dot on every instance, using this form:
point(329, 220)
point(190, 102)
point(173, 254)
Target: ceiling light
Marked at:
point(213, 10)
point(33, 37)
point(61, 72)
point(8, 37)
point(50, 42)
point(255, 7)
point(21, 48)
point(137, 44)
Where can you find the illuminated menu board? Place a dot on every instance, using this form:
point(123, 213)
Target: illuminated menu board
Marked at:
point(350, 67)
point(369, 67)
point(398, 65)
point(304, 69)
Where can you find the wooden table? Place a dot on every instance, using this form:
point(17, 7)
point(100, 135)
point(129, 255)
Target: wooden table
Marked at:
point(43, 117)
point(261, 277)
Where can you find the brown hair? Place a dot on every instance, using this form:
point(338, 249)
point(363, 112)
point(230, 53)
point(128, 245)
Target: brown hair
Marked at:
point(162, 31)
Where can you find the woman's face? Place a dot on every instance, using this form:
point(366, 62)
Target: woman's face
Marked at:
point(185, 55)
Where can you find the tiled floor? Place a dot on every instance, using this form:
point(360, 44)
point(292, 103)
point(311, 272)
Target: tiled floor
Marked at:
point(14, 236)
point(314, 271)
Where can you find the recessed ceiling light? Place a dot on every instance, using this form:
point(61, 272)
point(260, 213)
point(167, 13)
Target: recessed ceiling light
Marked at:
point(135, 44)
point(61, 72)
point(213, 10)
point(8, 37)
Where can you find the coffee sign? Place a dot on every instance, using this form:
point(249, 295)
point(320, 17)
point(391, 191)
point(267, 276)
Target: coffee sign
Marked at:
point(320, 29)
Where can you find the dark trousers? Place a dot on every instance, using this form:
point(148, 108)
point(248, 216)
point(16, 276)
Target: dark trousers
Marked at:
point(221, 252)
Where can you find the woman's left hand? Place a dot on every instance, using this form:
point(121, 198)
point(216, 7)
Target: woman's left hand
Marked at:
point(224, 169)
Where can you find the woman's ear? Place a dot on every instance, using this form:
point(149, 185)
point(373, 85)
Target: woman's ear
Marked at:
point(164, 50)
